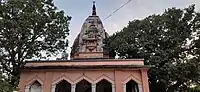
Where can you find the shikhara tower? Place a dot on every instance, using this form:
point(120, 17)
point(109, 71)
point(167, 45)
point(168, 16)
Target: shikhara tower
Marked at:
point(90, 38)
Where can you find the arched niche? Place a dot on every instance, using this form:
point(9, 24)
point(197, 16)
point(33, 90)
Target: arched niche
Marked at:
point(83, 86)
point(132, 84)
point(104, 78)
point(62, 81)
point(103, 86)
point(34, 83)
point(35, 87)
point(63, 86)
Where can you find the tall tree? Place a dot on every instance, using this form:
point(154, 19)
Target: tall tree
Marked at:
point(170, 41)
point(27, 28)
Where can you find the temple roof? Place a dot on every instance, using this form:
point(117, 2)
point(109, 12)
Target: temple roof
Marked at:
point(87, 64)
point(90, 67)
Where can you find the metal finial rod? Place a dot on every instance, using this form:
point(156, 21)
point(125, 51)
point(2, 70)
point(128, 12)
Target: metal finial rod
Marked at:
point(94, 8)
point(94, 2)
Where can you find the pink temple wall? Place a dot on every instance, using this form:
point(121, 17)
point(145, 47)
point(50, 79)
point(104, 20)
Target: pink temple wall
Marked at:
point(118, 76)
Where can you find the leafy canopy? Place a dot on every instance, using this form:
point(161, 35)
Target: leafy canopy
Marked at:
point(170, 41)
point(28, 27)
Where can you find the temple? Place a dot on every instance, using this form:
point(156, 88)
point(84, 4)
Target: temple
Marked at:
point(90, 68)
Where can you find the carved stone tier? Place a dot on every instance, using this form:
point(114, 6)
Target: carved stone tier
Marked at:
point(91, 45)
point(89, 55)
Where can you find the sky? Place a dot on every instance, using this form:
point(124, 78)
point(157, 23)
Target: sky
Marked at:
point(79, 10)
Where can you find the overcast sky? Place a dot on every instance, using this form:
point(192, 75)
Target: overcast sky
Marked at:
point(79, 10)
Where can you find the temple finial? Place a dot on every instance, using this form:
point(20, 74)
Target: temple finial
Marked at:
point(94, 8)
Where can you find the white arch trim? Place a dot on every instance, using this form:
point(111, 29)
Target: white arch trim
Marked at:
point(62, 78)
point(36, 78)
point(131, 77)
point(83, 77)
point(104, 77)
point(31, 81)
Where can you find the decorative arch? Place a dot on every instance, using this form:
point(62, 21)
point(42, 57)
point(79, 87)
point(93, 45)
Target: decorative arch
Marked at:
point(131, 77)
point(58, 80)
point(62, 78)
point(36, 78)
point(83, 77)
point(83, 86)
point(104, 77)
point(31, 81)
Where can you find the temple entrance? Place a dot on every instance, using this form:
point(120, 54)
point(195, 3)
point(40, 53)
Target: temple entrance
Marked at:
point(103, 86)
point(83, 86)
point(35, 87)
point(63, 86)
point(132, 86)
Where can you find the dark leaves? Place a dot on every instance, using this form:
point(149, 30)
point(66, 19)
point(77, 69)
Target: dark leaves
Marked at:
point(169, 41)
point(28, 27)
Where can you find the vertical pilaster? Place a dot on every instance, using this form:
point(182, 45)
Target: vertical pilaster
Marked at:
point(27, 88)
point(118, 79)
point(140, 88)
point(93, 87)
point(47, 86)
point(53, 88)
point(124, 87)
point(42, 90)
point(73, 88)
point(145, 82)
point(113, 87)
point(22, 82)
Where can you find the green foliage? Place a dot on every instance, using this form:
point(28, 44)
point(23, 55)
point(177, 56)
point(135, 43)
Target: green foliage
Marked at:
point(170, 41)
point(195, 89)
point(28, 27)
point(4, 85)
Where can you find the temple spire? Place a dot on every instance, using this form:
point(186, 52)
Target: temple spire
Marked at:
point(93, 8)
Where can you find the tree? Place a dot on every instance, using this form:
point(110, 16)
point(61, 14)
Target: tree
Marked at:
point(170, 41)
point(29, 28)
point(4, 85)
